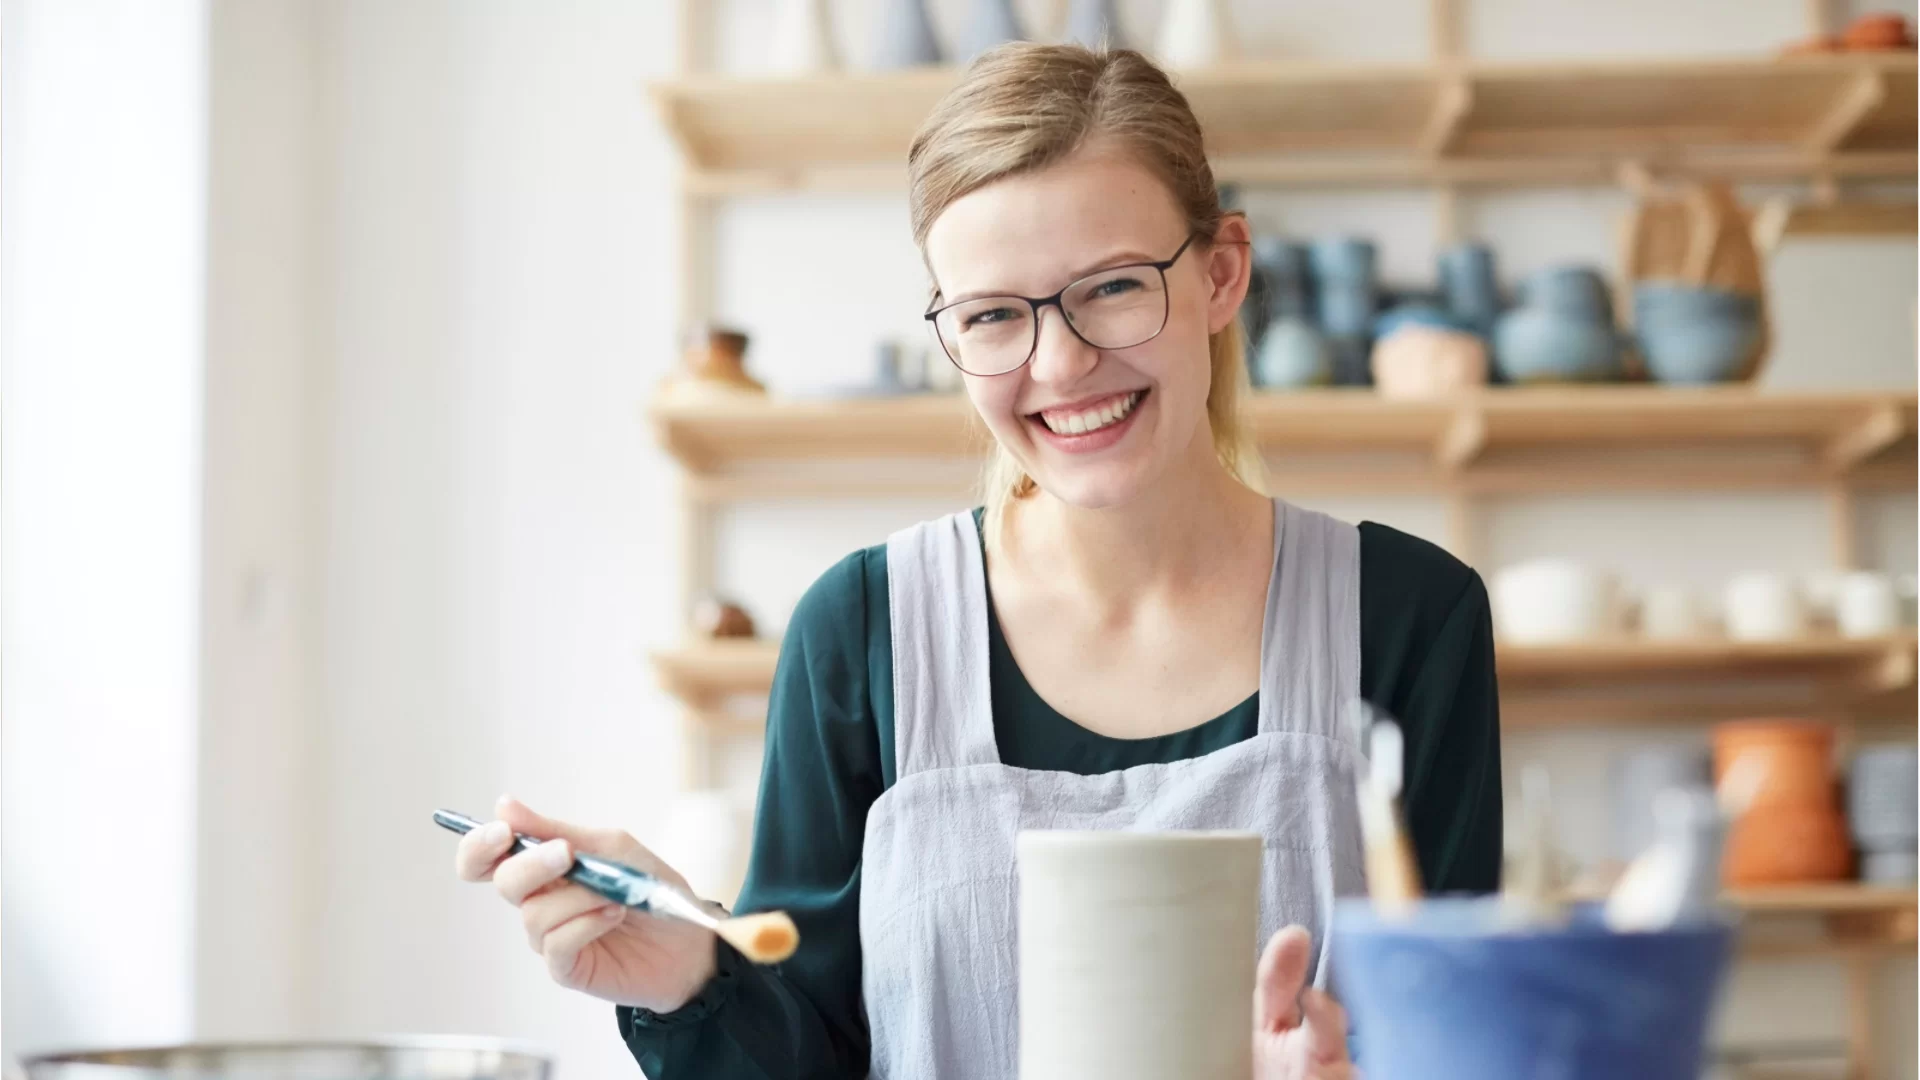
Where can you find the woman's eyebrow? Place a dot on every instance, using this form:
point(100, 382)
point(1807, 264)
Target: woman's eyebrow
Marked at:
point(1114, 260)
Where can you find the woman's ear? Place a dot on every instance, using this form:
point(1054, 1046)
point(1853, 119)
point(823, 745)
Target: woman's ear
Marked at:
point(1229, 269)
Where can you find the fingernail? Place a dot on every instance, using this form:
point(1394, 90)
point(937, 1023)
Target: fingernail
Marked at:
point(495, 834)
point(555, 855)
point(613, 911)
point(502, 802)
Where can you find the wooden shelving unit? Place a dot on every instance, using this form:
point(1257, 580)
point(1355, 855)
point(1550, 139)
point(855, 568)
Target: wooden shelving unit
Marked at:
point(1540, 686)
point(1443, 125)
point(1446, 122)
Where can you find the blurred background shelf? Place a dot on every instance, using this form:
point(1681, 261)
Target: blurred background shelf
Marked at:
point(1306, 123)
point(1501, 441)
point(1630, 681)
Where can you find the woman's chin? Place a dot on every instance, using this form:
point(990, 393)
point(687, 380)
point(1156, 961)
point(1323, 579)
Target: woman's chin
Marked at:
point(1104, 486)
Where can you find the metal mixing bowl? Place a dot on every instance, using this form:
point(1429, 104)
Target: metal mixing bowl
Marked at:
point(397, 1059)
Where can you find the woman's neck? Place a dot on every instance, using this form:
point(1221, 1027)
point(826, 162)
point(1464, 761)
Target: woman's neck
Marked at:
point(1187, 524)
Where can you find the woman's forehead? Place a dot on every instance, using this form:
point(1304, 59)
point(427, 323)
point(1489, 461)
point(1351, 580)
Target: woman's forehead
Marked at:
point(1034, 230)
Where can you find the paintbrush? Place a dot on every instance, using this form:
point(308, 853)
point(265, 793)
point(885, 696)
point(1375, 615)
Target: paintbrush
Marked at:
point(1393, 877)
point(766, 938)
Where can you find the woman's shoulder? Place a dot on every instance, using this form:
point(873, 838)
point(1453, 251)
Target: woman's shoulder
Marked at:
point(1411, 584)
point(838, 601)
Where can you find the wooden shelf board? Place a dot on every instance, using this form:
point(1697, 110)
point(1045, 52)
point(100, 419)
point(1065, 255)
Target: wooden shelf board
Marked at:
point(1630, 681)
point(1521, 664)
point(1520, 440)
point(1835, 898)
point(1297, 122)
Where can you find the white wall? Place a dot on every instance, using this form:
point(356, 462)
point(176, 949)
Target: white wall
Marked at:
point(100, 373)
point(498, 228)
point(259, 787)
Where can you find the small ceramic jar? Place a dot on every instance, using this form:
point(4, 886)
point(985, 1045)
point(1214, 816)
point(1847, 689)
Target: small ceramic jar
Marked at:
point(1793, 830)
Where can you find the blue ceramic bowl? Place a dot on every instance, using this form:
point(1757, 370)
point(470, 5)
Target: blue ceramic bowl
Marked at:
point(1571, 290)
point(1345, 259)
point(1534, 344)
point(1700, 351)
point(1449, 995)
point(1292, 354)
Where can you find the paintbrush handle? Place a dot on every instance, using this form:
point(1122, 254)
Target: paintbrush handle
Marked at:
point(617, 882)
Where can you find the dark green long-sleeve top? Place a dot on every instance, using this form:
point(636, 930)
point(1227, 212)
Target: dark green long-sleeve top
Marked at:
point(1426, 657)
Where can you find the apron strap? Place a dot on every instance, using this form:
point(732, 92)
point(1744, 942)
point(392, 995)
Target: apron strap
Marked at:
point(1310, 646)
point(937, 606)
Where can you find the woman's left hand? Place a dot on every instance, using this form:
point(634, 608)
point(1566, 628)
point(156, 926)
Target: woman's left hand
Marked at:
point(1299, 1033)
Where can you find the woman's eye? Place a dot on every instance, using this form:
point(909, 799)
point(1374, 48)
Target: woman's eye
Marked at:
point(1115, 287)
point(989, 317)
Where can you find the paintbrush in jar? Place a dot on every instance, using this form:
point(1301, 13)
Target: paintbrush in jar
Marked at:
point(1393, 877)
point(765, 938)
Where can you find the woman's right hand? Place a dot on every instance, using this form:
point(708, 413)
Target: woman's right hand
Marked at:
point(590, 944)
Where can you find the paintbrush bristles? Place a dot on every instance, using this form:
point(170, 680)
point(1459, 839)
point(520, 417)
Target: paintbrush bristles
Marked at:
point(767, 938)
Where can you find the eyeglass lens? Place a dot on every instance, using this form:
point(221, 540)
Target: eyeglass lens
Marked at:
point(1112, 309)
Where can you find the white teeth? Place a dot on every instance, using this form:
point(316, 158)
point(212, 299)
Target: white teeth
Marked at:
point(1092, 419)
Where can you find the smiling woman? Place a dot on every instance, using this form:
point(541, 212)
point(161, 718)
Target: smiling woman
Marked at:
point(1128, 635)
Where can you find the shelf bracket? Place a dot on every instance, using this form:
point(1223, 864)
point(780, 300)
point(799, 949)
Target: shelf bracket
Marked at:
point(1876, 431)
point(1450, 109)
point(1862, 94)
point(1465, 436)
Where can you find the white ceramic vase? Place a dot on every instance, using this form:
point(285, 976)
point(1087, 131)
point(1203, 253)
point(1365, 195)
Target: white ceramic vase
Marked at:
point(803, 39)
point(1194, 34)
point(1137, 953)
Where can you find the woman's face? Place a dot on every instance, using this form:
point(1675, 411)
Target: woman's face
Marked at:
point(1093, 427)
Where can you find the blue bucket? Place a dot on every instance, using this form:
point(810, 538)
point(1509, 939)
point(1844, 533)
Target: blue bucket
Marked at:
point(1449, 995)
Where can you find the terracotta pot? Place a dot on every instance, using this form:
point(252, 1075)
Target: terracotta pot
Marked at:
point(1793, 831)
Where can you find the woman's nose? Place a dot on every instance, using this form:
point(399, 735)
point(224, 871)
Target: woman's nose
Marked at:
point(1059, 356)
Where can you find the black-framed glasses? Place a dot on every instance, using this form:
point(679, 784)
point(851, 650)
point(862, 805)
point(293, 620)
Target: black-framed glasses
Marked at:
point(1115, 308)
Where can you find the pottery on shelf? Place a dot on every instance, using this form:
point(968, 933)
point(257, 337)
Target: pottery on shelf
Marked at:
point(1136, 954)
point(990, 23)
point(1292, 354)
point(1345, 258)
point(1194, 34)
point(716, 617)
point(1095, 24)
point(715, 366)
point(1555, 600)
point(905, 36)
point(803, 39)
point(1881, 812)
point(1762, 606)
point(1544, 344)
point(1468, 285)
point(1693, 335)
point(1792, 832)
point(1570, 290)
point(1425, 361)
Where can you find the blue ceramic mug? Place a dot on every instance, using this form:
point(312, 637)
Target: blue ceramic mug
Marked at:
point(1450, 995)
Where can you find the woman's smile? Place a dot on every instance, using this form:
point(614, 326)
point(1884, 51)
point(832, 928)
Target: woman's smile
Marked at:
point(1089, 424)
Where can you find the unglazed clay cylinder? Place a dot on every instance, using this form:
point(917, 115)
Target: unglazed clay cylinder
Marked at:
point(1137, 953)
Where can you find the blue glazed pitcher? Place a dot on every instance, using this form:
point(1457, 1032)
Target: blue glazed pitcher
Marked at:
point(1451, 995)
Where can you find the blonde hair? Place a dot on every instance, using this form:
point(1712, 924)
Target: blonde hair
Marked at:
point(1022, 107)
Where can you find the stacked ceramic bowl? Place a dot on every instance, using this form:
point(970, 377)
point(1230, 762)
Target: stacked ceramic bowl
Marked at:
point(1690, 334)
point(1561, 332)
point(1881, 809)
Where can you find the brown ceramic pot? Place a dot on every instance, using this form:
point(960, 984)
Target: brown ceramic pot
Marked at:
point(1793, 831)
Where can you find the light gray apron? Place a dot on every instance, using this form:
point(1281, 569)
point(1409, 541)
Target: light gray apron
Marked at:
point(938, 892)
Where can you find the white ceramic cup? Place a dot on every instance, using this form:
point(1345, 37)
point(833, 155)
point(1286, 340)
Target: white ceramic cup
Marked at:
point(1673, 613)
point(1867, 605)
point(1765, 607)
point(1137, 954)
point(1554, 600)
